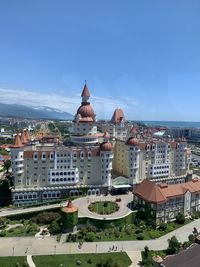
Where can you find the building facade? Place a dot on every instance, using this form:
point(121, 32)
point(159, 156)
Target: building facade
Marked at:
point(167, 200)
point(154, 159)
point(44, 169)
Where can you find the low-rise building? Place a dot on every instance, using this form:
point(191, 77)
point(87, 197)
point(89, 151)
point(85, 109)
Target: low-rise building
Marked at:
point(167, 200)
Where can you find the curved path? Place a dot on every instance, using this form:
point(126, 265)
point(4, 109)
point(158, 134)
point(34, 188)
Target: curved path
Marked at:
point(124, 204)
point(20, 246)
point(30, 261)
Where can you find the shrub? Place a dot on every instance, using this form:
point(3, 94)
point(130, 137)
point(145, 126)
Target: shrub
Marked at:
point(46, 217)
point(90, 237)
point(55, 228)
point(162, 226)
point(2, 233)
point(154, 234)
point(89, 261)
point(2, 222)
point(32, 228)
point(173, 246)
point(191, 238)
point(151, 223)
point(140, 237)
point(180, 218)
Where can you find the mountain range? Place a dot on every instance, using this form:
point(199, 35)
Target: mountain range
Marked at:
point(40, 112)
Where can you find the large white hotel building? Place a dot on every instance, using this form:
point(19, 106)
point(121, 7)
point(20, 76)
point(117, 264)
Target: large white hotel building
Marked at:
point(44, 169)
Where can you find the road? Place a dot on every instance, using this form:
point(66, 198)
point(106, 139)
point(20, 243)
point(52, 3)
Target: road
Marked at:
point(20, 246)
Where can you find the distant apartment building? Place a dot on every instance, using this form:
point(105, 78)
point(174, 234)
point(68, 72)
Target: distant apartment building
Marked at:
point(167, 200)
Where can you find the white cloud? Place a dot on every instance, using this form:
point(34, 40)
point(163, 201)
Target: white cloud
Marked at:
point(103, 106)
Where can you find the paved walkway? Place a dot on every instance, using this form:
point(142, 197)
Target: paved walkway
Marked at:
point(135, 257)
point(30, 261)
point(124, 206)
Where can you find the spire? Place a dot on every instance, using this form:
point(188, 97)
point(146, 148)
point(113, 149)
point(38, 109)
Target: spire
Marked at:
point(23, 138)
point(27, 135)
point(85, 93)
point(118, 116)
point(17, 142)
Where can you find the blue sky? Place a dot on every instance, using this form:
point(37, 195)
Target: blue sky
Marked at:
point(143, 56)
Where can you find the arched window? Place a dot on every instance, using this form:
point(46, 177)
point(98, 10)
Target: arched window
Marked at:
point(35, 156)
point(81, 155)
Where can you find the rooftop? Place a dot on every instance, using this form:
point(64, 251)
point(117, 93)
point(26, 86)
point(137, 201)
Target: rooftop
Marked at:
point(153, 193)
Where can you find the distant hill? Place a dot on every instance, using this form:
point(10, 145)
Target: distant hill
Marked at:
point(41, 112)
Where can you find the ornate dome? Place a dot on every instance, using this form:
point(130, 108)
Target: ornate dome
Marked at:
point(106, 146)
point(86, 112)
point(132, 141)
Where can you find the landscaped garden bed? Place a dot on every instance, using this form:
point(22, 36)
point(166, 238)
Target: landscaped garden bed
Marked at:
point(103, 207)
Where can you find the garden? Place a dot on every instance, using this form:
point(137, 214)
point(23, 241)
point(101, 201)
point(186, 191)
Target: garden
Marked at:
point(103, 207)
point(16, 226)
point(131, 227)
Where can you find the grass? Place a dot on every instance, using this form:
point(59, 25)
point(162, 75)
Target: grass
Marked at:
point(12, 261)
point(103, 207)
point(71, 260)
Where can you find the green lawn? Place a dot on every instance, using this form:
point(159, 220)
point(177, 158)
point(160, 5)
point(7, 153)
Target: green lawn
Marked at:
point(103, 207)
point(12, 261)
point(121, 260)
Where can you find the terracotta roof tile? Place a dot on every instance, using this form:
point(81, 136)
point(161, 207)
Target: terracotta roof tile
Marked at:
point(17, 142)
point(149, 192)
point(153, 193)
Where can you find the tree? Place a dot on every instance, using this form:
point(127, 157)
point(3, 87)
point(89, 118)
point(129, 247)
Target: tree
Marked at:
point(146, 251)
point(180, 218)
point(191, 238)
point(7, 165)
point(173, 246)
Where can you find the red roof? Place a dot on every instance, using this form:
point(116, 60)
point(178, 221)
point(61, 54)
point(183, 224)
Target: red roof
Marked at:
point(153, 193)
point(70, 207)
point(17, 142)
point(118, 116)
point(85, 91)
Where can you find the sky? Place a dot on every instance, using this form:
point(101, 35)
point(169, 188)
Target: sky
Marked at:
point(139, 55)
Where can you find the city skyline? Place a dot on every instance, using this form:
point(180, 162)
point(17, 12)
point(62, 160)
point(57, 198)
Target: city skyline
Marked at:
point(140, 57)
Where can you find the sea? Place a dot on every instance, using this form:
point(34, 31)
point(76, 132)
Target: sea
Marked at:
point(180, 124)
